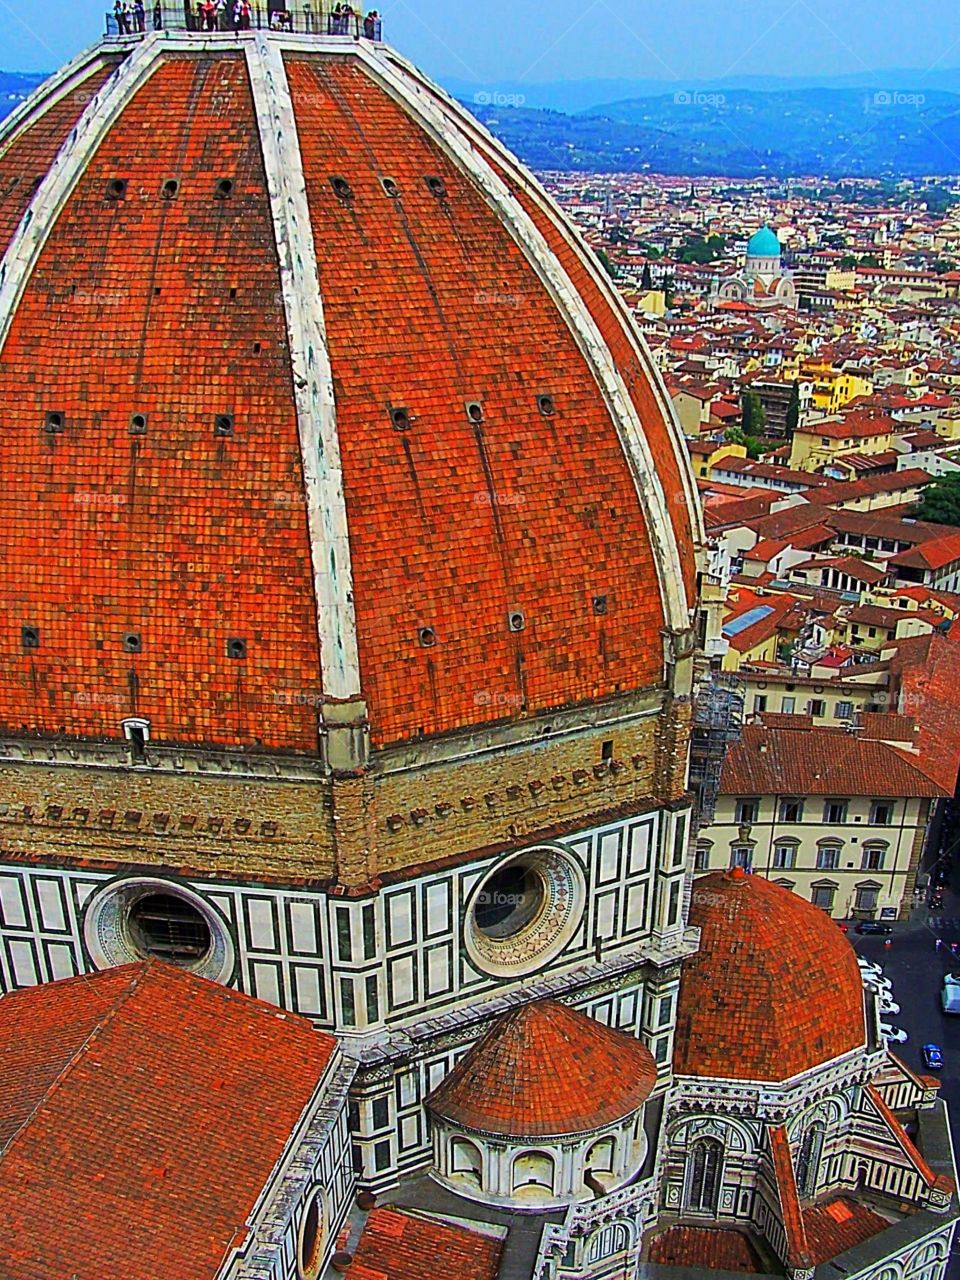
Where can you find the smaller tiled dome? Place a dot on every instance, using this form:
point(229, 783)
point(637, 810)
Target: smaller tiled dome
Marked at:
point(543, 1070)
point(774, 988)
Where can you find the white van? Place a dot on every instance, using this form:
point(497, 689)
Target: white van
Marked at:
point(950, 995)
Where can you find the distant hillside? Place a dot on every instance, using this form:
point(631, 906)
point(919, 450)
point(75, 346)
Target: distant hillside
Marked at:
point(835, 132)
point(780, 131)
point(583, 96)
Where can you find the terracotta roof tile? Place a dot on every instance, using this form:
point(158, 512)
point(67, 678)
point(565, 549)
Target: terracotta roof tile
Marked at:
point(546, 1070)
point(774, 989)
point(791, 1215)
point(819, 761)
point(401, 1246)
point(838, 1225)
point(712, 1248)
point(172, 308)
point(168, 1100)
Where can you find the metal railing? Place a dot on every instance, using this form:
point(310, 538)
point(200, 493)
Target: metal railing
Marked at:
point(307, 19)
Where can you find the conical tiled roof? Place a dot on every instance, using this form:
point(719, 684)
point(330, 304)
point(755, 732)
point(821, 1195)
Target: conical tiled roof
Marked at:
point(546, 1070)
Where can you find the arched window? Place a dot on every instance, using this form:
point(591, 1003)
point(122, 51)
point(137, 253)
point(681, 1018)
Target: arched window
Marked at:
point(703, 1180)
point(466, 1161)
point(601, 1156)
point(808, 1158)
point(533, 1169)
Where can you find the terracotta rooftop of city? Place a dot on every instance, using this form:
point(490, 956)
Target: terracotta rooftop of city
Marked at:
point(546, 1070)
point(774, 989)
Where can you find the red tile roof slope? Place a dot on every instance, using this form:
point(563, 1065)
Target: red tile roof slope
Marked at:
point(712, 1248)
point(130, 1077)
point(838, 1225)
point(546, 1070)
point(182, 538)
point(32, 147)
point(791, 1215)
point(402, 1246)
point(453, 524)
point(934, 553)
point(818, 761)
point(774, 989)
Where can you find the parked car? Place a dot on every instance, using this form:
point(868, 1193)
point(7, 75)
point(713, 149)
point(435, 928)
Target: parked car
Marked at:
point(869, 966)
point(882, 986)
point(932, 1057)
point(893, 1033)
point(950, 995)
point(889, 1006)
point(873, 926)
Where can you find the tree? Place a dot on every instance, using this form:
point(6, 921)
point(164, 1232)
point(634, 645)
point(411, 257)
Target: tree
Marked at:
point(940, 501)
point(848, 260)
point(752, 444)
point(793, 409)
point(607, 264)
point(869, 260)
point(752, 417)
point(646, 280)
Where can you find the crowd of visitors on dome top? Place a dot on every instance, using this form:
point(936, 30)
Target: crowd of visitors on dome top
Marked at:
point(237, 15)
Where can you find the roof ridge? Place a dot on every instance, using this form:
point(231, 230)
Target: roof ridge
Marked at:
point(61, 1077)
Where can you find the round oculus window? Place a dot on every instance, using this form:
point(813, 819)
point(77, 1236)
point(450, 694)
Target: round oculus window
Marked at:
point(141, 919)
point(525, 911)
point(312, 1238)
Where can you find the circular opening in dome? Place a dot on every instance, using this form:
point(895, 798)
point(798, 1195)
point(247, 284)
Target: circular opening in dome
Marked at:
point(390, 187)
point(170, 928)
point(116, 188)
point(342, 188)
point(546, 406)
point(312, 1233)
point(170, 189)
point(223, 189)
point(428, 637)
point(509, 900)
point(437, 186)
point(474, 411)
point(138, 424)
point(516, 621)
point(525, 911)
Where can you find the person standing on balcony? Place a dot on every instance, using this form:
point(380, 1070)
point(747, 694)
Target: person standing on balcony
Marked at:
point(139, 16)
point(157, 16)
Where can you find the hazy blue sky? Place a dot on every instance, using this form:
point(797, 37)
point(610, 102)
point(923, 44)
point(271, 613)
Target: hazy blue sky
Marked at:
point(573, 39)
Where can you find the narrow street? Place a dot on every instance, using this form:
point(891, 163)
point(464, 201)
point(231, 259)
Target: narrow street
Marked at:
point(916, 968)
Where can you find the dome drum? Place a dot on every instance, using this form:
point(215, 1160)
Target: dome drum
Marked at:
point(543, 1174)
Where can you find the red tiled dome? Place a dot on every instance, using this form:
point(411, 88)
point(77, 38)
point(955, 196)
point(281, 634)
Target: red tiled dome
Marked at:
point(537, 474)
point(544, 1070)
point(775, 988)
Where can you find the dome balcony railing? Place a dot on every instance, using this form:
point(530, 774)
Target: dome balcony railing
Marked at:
point(180, 15)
